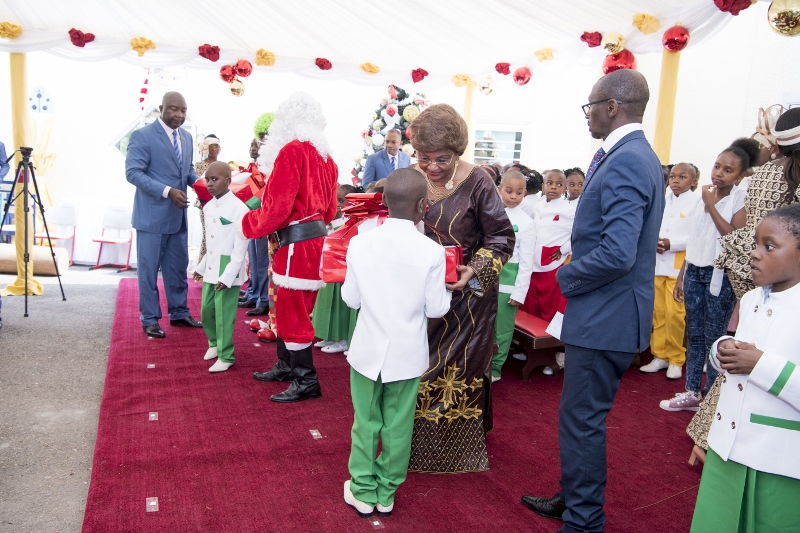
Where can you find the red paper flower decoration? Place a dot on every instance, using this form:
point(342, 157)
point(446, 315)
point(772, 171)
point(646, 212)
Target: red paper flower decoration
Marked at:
point(227, 74)
point(79, 38)
point(418, 74)
point(732, 6)
point(675, 38)
point(243, 68)
point(503, 68)
point(209, 52)
point(592, 39)
point(323, 63)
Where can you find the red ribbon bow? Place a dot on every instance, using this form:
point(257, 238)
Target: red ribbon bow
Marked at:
point(209, 52)
point(79, 38)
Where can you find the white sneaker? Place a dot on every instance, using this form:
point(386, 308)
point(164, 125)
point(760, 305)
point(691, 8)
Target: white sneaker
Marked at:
point(336, 347)
point(560, 359)
point(363, 509)
point(547, 371)
point(520, 356)
point(219, 366)
point(211, 353)
point(322, 344)
point(683, 401)
point(654, 366)
point(495, 379)
point(674, 372)
point(385, 511)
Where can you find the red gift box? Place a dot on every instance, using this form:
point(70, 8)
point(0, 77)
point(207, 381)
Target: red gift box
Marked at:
point(453, 257)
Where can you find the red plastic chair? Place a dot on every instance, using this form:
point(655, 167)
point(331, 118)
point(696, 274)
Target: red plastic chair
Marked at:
point(121, 232)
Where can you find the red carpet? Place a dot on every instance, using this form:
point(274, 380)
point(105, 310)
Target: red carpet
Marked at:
point(221, 457)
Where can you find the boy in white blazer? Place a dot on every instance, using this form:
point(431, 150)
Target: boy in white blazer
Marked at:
point(389, 350)
point(751, 477)
point(222, 268)
point(516, 274)
point(669, 315)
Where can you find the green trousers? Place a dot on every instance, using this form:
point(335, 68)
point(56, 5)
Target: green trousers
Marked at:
point(385, 413)
point(503, 331)
point(737, 499)
point(218, 314)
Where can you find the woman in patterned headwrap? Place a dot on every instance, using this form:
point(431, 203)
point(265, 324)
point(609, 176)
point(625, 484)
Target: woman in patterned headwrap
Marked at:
point(453, 409)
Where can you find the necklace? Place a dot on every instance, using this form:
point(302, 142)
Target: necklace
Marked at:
point(442, 192)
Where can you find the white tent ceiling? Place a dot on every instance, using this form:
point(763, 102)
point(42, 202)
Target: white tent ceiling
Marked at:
point(446, 37)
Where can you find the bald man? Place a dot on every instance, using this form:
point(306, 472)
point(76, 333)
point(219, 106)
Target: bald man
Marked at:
point(159, 165)
point(609, 289)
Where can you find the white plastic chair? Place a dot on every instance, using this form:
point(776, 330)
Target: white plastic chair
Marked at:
point(61, 222)
point(119, 222)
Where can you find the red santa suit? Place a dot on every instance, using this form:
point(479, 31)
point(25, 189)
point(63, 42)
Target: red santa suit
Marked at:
point(301, 188)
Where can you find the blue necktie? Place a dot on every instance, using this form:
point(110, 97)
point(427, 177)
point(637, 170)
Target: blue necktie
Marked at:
point(175, 145)
point(598, 157)
point(394, 163)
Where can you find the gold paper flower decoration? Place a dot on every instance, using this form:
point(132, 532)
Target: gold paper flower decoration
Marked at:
point(545, 54)
point(646, 23)
point(461, 80)
point(264, 58)
point(369, 68)
point(142, 45)
point(9, 30)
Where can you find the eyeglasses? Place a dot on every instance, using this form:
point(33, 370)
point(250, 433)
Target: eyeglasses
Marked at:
point(588, 107)
point(439, 162)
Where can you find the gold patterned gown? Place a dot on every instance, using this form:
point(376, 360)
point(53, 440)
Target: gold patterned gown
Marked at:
point(767, 192)
point(453, 409)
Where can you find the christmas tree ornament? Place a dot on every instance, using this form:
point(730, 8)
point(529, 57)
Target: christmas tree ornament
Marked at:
point(784, 16)
point(485, 86)
point(522, 75)
point(675, 38)
point(237, 87)
point(613, 42)
point(408, 149)
point(621, 60)
point(377, 139)
point(227, 74)
point(391, 109)
point(410, 113)
point(243, 68)
point(377, 125)
point(368, 140)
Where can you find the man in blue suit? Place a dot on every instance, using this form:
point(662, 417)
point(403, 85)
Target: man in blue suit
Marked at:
point(609, 289)
point(159, 165)
point(380, 164)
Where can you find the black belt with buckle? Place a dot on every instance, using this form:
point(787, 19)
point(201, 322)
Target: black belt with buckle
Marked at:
point(304, 231)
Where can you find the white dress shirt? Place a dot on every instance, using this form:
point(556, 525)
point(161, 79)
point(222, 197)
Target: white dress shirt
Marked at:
point(225, 242)
point(616, 136)
point(676, 223)
point(391, 335)
point(525, 231)
point(702, 246)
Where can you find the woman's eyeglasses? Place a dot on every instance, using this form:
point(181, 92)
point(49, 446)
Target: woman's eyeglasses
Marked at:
point(439, 161)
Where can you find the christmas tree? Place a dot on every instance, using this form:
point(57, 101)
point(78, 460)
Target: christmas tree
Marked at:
point(397, 111)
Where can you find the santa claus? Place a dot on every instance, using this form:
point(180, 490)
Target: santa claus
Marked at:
point(299, 200)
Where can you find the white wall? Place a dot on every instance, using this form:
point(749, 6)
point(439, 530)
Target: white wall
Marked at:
point(722, 84)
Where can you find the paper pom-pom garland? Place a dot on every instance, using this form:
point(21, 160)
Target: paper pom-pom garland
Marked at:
point(209, 52)
point(370, 68)
point(522, 75)
point(621, 60)
point(323, 63)
point(418, 74)
point(675, 38)
point(9, 30)
point(592, 39)
point(142, 45)
point(264, 58)
point(646, 24)
point(734, 7)
point(503, 68)
point(613, 42)
point(79, 38)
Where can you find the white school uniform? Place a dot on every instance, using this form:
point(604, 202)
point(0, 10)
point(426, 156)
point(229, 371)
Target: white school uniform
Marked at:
point(757, 421)
point(225, 243)
point(391, 334)
point(553, 228)
point(525, 231)
point(529, 202)
point(676, 224)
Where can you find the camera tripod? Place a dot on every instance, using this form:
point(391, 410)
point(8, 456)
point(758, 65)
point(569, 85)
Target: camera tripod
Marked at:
point(25, 171)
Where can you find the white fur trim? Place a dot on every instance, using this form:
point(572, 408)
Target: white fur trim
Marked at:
point(295, 346)
point(300, 284)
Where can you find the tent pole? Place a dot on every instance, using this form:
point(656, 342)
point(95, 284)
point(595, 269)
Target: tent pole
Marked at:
point(19, 123)
point(665, 112)
point(469, 155)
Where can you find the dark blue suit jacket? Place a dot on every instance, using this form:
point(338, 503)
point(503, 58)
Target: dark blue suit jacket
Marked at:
point(151, 165)
point(378, 166)
point(608, 282)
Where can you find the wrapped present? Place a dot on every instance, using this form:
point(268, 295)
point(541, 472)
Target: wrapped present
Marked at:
point(363, 211)
point(453, 258)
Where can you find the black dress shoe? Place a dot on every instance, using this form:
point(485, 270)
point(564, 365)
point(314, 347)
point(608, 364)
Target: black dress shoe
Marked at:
point(258, 311)
point(247, 305)
point(297, 392)
point(188, 321)
point(550, 507)
point(154, 331)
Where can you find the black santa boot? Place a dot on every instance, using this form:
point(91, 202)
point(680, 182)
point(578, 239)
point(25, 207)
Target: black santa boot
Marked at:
point(306, 383)
point(282, 371)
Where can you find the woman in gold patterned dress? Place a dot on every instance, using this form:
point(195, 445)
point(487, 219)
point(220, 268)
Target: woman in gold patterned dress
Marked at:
point(209, 150)
point(453, 407)
point(773, 185)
